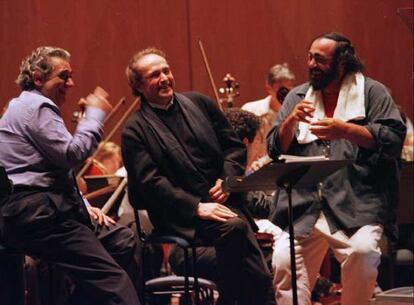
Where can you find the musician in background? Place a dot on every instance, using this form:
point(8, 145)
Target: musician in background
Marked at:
point(345, 115)
point(177, 149)
point(45, 215)
point(107, 161)
point(279, 81)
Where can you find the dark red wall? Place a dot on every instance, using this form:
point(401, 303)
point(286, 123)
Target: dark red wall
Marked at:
point(241, 37)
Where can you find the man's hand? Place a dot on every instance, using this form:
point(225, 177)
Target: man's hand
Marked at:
point(259, 163)
point(329, 129)
point(217, 194)
point(98, 99)
point(214, 211)
point(100, 217)
point(333, 129)
point(303, 112)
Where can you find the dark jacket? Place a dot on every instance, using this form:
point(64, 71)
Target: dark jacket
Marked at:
point(162, 178)
point(365, 192)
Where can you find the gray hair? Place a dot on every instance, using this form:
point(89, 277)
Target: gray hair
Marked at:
point(279, 72)
point(38, 61)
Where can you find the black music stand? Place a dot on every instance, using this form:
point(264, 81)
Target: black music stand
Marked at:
point(304, 174)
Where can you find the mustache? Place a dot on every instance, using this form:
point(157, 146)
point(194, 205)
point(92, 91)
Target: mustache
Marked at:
point(311, 70)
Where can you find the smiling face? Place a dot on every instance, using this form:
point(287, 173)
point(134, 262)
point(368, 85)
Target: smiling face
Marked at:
point(156, 79)
point(322, 67)
point(56, 85)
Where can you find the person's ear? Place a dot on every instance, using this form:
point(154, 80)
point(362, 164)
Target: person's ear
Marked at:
point(245, 141)
point(38, 79)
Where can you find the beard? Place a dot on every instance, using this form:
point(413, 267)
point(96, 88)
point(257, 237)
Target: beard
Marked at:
point(319, 79)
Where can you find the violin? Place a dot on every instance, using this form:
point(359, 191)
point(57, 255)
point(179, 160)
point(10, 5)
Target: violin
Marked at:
point(230, 91)
point(96, 169)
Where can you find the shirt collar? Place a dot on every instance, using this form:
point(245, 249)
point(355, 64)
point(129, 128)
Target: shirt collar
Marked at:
point(163, 107)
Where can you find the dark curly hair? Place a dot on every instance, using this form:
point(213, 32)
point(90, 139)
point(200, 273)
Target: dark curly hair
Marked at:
point(244, 123)
point(344, 52)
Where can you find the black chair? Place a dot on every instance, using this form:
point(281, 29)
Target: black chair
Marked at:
point(185, 286)
point(10, 255)
point(397, 267)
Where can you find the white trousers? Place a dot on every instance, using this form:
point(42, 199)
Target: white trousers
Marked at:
point(359, 256)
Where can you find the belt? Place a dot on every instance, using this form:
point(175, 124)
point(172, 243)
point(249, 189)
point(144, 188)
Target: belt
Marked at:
point(31, 188)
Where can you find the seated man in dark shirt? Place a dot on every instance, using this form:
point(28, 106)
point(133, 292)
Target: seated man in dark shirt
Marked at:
point(177, 149)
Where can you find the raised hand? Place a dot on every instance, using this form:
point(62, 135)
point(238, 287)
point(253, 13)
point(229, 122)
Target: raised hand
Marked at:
point(98, 99)
point(303, 112)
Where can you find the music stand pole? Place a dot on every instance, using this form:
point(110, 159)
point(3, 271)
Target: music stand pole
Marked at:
point(288, 189)
point(303, 174)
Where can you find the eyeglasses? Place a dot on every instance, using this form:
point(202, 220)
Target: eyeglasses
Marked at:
point(65, 75)
point(319, 59)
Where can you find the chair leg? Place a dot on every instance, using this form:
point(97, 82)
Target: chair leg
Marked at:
point(187, 298)
point(24, 292)
point(195, 276)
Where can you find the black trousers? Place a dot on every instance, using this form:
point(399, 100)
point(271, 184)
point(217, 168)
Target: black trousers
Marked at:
point(56, 228)
point(243, 275)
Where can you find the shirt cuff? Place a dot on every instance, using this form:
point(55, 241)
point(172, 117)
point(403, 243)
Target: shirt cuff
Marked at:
point(95, 113)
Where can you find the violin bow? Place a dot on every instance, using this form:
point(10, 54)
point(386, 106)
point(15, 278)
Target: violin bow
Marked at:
point(210, 76)
point(108, 137)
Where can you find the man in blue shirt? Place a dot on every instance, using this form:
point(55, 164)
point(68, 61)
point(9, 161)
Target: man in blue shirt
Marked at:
point(45, 215)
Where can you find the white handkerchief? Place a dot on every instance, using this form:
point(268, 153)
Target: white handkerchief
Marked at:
point(350, 105)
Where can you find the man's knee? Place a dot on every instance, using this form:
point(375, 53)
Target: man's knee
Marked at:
point(128, 237)
point(366, 250)
point(123, 242)
point(365, 257)
point(236, 227)
point(281, 257)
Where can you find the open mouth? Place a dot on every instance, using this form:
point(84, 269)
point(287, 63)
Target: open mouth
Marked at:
point(316, 73)
point(165, 88)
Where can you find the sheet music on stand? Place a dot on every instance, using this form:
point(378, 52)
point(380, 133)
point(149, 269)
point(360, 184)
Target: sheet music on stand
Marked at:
point(293, 158)
point(303, 170)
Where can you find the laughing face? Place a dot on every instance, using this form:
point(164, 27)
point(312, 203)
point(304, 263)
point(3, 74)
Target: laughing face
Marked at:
point(56, 85)
point(157, 81)
point(322, 68)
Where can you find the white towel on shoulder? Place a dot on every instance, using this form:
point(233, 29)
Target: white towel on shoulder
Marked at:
point(350, 105)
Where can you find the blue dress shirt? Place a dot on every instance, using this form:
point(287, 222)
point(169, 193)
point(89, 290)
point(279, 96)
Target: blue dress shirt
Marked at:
point(36, 148)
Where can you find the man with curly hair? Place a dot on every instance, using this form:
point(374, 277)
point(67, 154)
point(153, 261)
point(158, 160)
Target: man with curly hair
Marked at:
point(45, 215)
